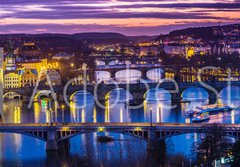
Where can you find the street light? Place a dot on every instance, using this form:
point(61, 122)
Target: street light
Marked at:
point(63, 113)
point(50, 115)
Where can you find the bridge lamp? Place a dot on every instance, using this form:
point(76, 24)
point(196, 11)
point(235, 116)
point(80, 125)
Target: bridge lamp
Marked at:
point(138, 129)
point(100, 129)
point(65, 128)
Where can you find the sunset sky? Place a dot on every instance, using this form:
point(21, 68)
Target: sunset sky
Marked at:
point(130, 17)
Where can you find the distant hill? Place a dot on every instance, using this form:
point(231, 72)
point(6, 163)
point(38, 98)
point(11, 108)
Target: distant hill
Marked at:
point(110, 37)
point(205, 33)
point(91, 37)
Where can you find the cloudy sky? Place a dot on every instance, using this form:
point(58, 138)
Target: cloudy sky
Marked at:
point(130, 17)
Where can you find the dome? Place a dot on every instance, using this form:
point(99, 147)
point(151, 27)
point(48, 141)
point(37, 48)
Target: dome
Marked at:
point(30, 51)
point(29, 47)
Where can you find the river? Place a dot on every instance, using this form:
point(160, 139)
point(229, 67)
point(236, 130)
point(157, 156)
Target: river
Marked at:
point(20, 150)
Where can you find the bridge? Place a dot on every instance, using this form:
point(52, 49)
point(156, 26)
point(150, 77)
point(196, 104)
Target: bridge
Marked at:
point(138, 90)
point(54, 133)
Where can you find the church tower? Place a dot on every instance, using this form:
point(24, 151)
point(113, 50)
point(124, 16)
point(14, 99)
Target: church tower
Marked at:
point(161, 44)
point(10, 59)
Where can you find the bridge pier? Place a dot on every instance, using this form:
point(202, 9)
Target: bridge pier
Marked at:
point(212, 97)
point(152, 139)
point(176, 98)
point(52, 143)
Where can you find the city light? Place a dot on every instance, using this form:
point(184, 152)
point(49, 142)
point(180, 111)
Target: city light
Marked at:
point(110, 83)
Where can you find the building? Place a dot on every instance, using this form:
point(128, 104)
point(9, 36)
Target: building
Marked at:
point(12, 79)
point(30, 51)
point(29, 77)
point(39, 64)
point(189, 52)
point(10, 64)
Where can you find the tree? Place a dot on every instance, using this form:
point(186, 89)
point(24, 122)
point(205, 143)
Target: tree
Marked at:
point(211, 145)
point(236, 153)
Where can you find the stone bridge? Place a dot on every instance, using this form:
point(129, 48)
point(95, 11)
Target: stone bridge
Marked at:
point(54, 133)
point(137, 90)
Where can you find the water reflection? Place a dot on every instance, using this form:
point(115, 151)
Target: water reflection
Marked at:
point(17, 149)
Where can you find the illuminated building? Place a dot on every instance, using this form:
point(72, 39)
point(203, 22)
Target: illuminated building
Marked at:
point(29, 77)
point(12, 79)
point(30, 51)
point(33, 64)
point(10, 60)
point(189, 52)
point(174, 49)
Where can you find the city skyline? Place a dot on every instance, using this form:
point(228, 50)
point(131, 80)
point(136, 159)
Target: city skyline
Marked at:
point(129, 17)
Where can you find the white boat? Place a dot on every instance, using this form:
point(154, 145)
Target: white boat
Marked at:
point(213, 108)
point(201, 118)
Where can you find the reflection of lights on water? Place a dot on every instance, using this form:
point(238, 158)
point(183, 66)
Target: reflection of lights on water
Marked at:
point(233, 116)
point(37, 110)
point(145, 108)
point(17, 115)
point(159, 113)
point(83, 115)
point(94, 115)
point(17, 142)
point(48, 116)
point(44, 103)
point(73, 111)
point(187, 120)
point(188, 136)
point(121, 115)
point(195, 137)
point(107, 110)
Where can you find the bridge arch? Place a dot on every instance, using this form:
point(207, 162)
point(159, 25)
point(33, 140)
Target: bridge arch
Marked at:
point(100, 63)
point(195, 93)
point(11, 95)
point(230, 92)
point(155, 74)
point(173, 134)
point(159, 94)
point(102, 76)
point(128, 75)
point(40, 135)
point(120, 93)
point(80, 92)
point(133, 133)
point(42, 93)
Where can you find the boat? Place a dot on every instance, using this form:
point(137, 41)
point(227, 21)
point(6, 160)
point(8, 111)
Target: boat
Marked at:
point(213, 108)
point(201, 118)
point(191, 112)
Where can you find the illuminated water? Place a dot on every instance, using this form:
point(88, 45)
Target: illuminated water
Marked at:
point(18, 150)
